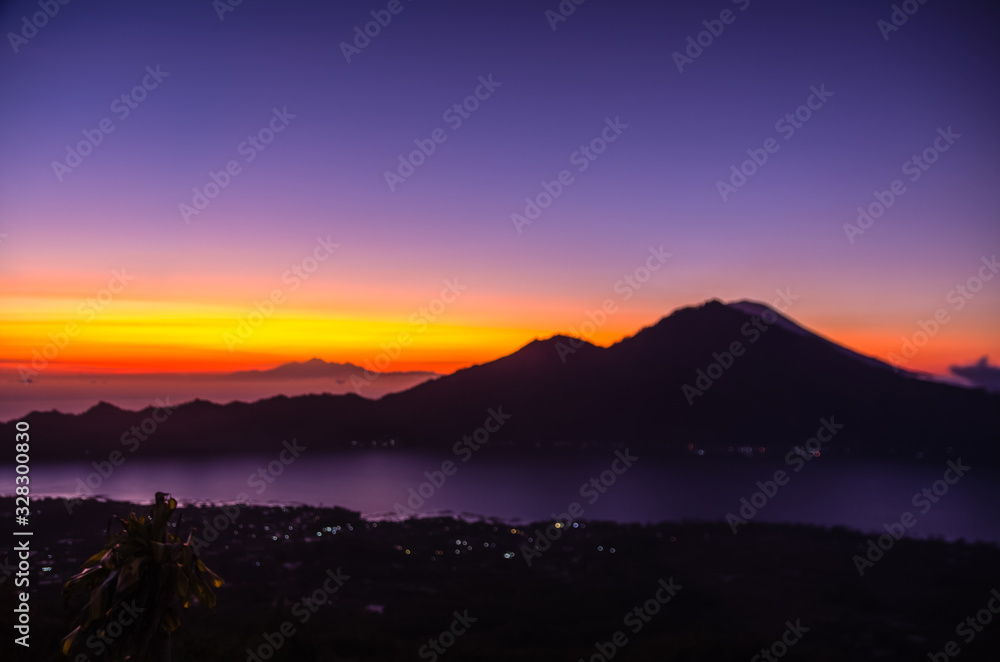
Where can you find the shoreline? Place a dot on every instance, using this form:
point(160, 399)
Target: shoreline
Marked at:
point(407, 578)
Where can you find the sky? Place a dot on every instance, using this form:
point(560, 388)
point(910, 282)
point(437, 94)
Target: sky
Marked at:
point(317, 242)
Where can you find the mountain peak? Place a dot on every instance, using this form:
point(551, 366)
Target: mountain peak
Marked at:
point(103, 407)
point(559, 337)
point(758, 309)
point(554, 343)
point(672, 385)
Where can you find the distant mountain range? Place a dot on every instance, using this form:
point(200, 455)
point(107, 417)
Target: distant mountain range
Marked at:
point(318, 368)
point(981, 374)
point(75, 393)
point(709, 378)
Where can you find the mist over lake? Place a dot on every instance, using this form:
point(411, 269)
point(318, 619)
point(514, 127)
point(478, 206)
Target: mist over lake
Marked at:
point(529, 486)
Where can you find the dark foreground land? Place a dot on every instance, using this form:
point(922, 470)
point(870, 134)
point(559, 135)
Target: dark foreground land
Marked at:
point(737, 593)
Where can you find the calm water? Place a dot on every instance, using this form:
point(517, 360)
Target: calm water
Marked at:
point(530, 486)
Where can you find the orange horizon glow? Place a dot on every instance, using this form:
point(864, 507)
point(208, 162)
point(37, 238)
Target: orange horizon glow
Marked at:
point(186, 325)
point(150, 345)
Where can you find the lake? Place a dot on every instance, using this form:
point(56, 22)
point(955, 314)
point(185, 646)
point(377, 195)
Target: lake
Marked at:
point(525, 486)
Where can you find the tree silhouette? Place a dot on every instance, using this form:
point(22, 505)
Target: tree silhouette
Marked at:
point(138, 585)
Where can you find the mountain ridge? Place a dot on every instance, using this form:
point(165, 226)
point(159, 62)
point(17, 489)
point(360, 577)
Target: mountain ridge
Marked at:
point(318, 368)
point(709, 377)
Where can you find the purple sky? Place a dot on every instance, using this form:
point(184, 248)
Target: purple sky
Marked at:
point(655, 184)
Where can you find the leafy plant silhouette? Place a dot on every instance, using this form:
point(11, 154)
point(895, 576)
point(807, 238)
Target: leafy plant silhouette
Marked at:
point(138, 585)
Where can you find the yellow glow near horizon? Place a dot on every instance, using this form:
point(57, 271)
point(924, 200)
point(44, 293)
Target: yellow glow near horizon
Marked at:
point(133, 335)
point(166, 337)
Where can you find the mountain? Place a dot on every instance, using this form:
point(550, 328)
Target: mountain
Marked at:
point(708, 377)
point(980, 374)
point(318, 368)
